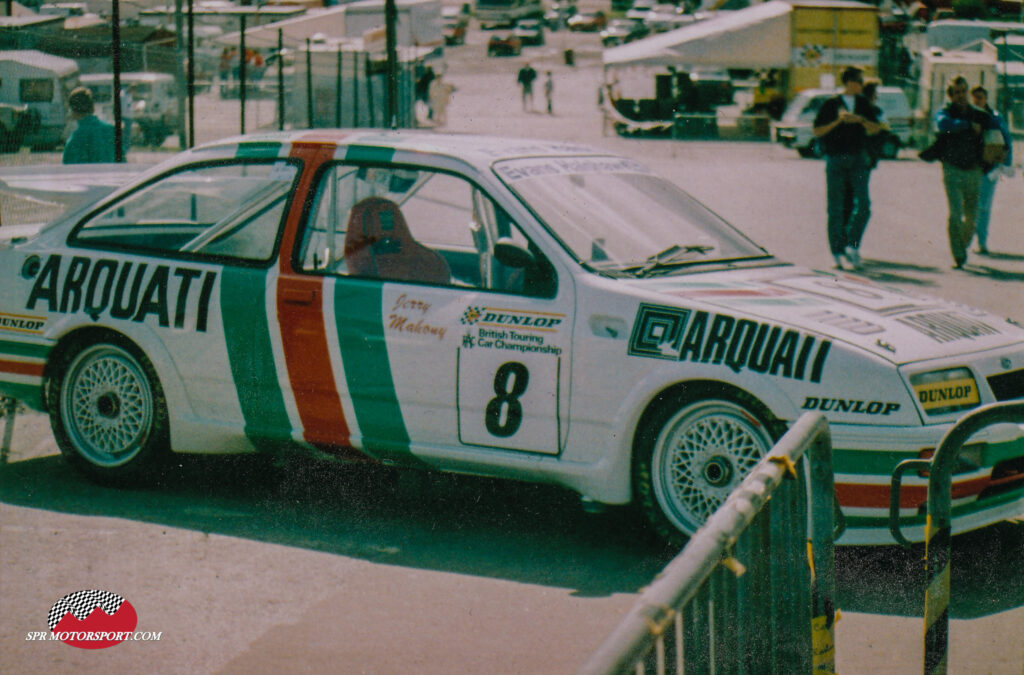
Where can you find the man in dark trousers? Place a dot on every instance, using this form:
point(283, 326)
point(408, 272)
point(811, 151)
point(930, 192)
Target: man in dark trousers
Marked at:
point(842, 126)
point(525, 79)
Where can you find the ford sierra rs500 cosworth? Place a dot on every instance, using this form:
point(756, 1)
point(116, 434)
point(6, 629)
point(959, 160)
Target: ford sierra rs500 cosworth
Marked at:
point(527, 309)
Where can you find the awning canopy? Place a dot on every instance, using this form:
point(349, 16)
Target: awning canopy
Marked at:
point(755, 37)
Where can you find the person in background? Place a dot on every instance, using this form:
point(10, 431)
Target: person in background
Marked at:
point(92, 141)
point(870, 93)
point(961, 128)
point(440, 95)
point(842, 126)
point(549, 92)
point(525, 78)
point(979, 97)
point(127, 112)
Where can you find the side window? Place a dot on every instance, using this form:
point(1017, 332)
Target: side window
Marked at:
point(232, 210)
point(417, 226)
point(36, 90)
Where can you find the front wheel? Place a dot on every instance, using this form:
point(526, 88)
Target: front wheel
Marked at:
point(108, 413)
point(692, 455)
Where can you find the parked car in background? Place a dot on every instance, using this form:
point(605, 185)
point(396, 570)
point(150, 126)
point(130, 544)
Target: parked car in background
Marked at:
point(796, 128)
point(530, 32)
point(16, 122)
point(558, 15)
point(504, 43)
point(621, 31)
point(456, 23)
point(665, 17)
point(639, 10)
point(42, 83)
point(588, 22)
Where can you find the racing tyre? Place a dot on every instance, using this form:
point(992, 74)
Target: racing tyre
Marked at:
point(690, 455)
point(108, 413)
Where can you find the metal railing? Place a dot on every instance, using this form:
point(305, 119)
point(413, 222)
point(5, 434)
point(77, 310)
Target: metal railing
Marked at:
point(938, 529)
point(8, 409)
point(753, 589)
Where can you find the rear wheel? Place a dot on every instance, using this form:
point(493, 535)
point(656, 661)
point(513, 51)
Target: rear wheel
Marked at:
point(692, 454)
point(108, 412)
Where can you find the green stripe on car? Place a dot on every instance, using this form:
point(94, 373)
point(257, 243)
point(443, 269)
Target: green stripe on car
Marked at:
point(359, 316)
point(251, 356)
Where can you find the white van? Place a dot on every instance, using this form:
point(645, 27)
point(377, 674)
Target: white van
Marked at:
point(154, 108)
point(796, 128)
point(42, 82)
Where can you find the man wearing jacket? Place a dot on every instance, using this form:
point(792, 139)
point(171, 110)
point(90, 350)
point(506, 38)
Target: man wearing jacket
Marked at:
point(92, 141)
point(842, 126)
point(961, 128)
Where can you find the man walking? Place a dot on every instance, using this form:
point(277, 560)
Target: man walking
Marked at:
point(961, 129)
point(549, 92)
point(979, 97)
point(525, 79)
point(842, 126)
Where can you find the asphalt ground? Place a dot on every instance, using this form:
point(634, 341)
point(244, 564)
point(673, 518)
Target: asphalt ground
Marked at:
point(322, 571)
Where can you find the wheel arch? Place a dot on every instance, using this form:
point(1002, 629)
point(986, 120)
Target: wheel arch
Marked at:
point(79, 336)
point(690, 390)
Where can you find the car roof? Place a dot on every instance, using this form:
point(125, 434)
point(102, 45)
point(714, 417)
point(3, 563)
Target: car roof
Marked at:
point(480, 151)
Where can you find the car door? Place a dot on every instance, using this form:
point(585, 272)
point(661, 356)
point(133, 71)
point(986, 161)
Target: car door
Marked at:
point(181, 266)
point(432, 344)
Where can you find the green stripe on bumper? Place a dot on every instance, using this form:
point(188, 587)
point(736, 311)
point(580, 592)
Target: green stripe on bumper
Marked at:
point(957, 512)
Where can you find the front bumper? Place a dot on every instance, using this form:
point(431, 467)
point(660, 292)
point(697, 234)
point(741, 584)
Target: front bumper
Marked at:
point(988, 485)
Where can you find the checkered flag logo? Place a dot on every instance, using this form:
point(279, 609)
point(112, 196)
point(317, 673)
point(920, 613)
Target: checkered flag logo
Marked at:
point(82, 603)
point(471, 315)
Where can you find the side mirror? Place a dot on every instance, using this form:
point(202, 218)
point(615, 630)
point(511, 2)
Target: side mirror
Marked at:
point(512, 254)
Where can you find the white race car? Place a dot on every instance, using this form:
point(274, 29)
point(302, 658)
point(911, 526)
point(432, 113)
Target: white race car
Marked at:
point(527, 309)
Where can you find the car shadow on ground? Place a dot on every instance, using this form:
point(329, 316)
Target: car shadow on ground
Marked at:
point(986, 576)
point(503, 529)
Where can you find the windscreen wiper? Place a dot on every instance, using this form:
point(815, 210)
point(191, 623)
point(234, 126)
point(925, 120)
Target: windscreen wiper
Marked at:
point(673, 256)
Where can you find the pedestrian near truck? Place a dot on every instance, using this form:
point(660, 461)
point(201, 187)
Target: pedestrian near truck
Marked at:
point(960, 144)
point(92, 141)
point(842, 126)
point(979, 97)
point(525, 78)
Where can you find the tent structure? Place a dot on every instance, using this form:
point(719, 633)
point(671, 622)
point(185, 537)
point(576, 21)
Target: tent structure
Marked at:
point(755, 37)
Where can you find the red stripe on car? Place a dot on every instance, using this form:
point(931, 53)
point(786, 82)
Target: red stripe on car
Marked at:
point(301, 321)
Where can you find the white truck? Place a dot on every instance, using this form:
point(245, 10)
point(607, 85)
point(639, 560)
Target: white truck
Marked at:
point(42, 83)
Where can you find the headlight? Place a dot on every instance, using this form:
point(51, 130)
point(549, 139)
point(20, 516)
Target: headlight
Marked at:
point(945, 391)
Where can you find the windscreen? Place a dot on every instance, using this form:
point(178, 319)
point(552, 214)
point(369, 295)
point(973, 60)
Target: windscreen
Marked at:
point(614, 215)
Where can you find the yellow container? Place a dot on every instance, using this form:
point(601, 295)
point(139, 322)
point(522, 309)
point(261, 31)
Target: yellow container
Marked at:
point(827, 37)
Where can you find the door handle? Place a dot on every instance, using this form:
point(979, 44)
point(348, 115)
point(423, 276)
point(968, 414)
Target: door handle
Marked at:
point(299, 296)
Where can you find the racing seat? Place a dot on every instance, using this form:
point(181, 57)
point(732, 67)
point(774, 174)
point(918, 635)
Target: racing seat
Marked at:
point(378, 244)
